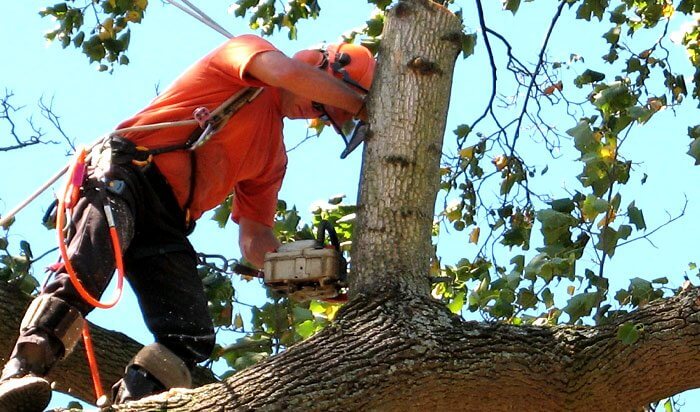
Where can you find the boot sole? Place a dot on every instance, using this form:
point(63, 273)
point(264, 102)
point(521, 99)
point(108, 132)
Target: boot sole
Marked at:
point(26, 394)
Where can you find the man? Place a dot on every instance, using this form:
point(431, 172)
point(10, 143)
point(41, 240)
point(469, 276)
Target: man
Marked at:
point(156, 187)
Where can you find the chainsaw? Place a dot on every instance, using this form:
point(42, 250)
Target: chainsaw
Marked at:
point(305, 269)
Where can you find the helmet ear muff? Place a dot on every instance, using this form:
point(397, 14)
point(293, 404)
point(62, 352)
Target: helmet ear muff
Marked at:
point(342, 59)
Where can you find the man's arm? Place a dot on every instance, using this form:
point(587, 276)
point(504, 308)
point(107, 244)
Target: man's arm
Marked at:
point(256, 239)
point(278, 70)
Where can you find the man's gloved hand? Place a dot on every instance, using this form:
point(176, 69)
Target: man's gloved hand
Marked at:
point(256, 239)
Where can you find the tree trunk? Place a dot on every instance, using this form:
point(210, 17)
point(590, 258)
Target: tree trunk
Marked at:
point(400, 170)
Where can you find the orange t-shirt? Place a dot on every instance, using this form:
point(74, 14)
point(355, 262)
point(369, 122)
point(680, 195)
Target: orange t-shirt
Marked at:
point(246, 157)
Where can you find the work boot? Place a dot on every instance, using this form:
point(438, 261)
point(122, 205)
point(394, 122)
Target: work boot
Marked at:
point(154, 369)
point(22, 387)
point(137, 383)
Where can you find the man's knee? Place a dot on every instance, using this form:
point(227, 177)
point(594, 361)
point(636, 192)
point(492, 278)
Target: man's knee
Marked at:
point(56, 318)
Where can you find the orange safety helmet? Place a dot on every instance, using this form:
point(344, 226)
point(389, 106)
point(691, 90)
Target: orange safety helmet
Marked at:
point(351, 63)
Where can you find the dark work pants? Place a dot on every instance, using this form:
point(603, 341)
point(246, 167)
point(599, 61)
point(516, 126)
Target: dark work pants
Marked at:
point(160, 262)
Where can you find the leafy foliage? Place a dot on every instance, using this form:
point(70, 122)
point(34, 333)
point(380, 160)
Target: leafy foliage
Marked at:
point(107, 38)
point(16, 266)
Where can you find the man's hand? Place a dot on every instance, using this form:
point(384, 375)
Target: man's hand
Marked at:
point(256, 239)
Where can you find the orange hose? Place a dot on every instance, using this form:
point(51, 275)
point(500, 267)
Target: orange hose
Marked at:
point(60, 225)
point(70, 195)
point(92, 361)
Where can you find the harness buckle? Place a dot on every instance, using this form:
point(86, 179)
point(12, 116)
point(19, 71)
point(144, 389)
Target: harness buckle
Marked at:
point(146, 161)
point(202, 116)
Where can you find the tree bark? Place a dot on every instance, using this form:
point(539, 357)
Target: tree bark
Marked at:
point(400, 170)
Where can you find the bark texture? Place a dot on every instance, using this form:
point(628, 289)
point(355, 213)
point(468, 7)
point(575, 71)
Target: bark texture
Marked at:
point(400, 169)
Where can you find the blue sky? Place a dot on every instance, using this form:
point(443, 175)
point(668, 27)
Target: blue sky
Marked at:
point(91, 103)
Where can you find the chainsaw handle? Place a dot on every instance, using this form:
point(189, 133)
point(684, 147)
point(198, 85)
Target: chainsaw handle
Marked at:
point(326, 227)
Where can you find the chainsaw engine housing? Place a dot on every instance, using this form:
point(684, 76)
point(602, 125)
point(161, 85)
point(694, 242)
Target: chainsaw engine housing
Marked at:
point(305, 270)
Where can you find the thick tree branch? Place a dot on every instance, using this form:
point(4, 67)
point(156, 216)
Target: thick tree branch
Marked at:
point(402, 353)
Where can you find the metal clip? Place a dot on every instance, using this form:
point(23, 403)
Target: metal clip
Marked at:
point(202, 116)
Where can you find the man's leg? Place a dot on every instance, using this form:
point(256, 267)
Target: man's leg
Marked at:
point(51, 327)
point(174, 306)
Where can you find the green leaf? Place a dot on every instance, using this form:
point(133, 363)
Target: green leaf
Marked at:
point(636, 216)
point(694, 151)
point(336, 200)
point(640, 114)
point(622, 296)
point(591, 8)
point(74, 405)
point(555, 226)
point(548, 298)
point(584, 140)
point(512, 5)
point(28, 284)
point(617, 16)
point(302, 314)
point(628, 333)
point(457, 303)
point(607, 241)
point(26, 249)
point(468, 44)
point(588, 77)
point(223, 212)
point(238, 321)
point(642, 292)
point(694, 132)
point(527, 299)
point(547, 268)
point(306, 328)
point(593, 206)
point(624, 231)
point(613, 99)
point(78, 39)
point(375, 26)
point(462, 131)
point(581, 305)
point(613, 35)
point(565, 205)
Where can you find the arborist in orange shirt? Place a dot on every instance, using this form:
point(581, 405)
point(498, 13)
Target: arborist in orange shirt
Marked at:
point(155, 187)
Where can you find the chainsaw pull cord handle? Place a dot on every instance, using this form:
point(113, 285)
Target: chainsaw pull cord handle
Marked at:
point(65, 202)
point(326, 227)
